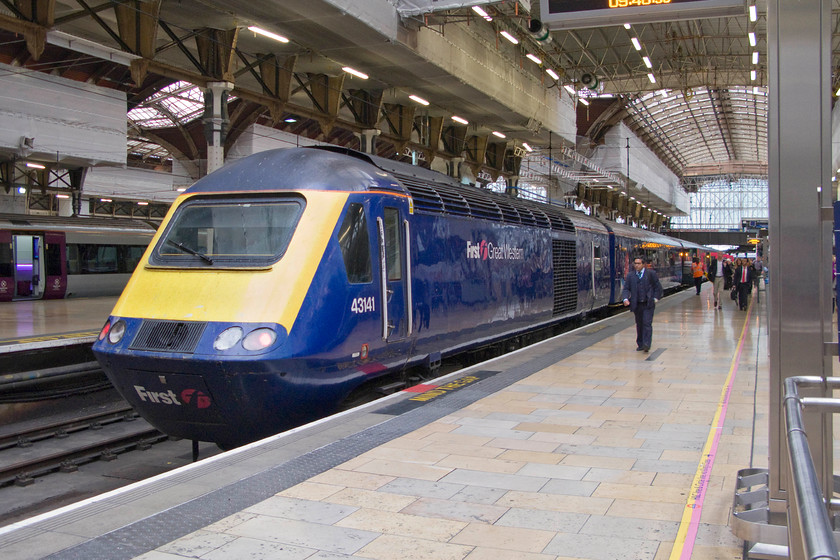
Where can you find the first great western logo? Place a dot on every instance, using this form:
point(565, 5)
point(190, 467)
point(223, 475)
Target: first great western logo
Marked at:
point(487, 250)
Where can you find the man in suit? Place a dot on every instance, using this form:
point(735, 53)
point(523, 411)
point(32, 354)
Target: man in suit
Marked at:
point(641, 292)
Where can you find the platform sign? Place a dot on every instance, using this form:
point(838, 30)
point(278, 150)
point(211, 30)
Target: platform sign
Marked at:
point(574, 14)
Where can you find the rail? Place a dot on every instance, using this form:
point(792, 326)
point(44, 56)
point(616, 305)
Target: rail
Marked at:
point(810, 534)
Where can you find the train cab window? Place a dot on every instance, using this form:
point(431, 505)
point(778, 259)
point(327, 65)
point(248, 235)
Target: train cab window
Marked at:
point(242, 232)
point(393, 247)
point(355, 245)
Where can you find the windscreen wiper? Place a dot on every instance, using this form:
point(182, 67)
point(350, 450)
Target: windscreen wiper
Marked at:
point(191, 251)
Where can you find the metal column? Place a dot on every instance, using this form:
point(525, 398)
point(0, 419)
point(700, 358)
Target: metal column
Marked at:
point(799, 54)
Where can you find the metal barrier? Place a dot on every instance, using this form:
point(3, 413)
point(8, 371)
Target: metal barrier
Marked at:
point(810, 534)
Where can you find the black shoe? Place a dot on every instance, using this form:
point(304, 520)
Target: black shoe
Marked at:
point(646, 349)
point(640, 348)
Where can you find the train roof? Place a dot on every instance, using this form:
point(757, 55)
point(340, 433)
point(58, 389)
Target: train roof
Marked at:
point(34, 222)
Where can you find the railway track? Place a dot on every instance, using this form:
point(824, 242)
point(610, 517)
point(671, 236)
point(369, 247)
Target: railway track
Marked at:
point(29, 453)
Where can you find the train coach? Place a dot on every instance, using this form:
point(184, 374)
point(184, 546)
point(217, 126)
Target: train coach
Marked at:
point(47, 257)
point(282, 285)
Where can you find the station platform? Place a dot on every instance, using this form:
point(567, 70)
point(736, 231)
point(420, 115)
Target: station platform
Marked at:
point(35, 324)
point(577, 447)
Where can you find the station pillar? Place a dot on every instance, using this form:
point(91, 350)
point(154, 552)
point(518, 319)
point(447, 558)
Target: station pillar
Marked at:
point(216, 122)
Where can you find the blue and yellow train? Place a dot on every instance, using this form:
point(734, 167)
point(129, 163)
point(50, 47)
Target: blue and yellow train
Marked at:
point(284, 283)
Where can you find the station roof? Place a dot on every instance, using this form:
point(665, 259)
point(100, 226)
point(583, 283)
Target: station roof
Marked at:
point(693, 90)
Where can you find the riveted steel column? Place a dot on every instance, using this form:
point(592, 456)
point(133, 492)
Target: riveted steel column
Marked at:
point(799, 55)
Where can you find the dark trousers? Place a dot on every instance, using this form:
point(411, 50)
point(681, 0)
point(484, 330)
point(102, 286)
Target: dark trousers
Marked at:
point(644, 325)
point(698, 282)
point(743, 294)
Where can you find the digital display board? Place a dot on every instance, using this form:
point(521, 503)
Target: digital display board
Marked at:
point(572, 14)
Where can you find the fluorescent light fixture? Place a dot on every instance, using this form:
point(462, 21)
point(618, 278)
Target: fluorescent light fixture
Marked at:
point(499, 134)
point(632, 198)
point(751, 35)
point(509, 37)
point(269, 34)
point(584, 101)
point(141, 203)
point(62, 196)
point(290, 120)
point(534, 58)
point(651, 77)
point(482, 13)
point(181, 189)
point(527, 147)
point(755, 57)
point(552, 73)
point(636, 44)
point(647, 62)
point(419, 100)
point(572, 91)
point(35, 165)
point(105, 200)
point(753, 13)
point(461, 120)
point(627, 26)
point(355, 72)
point(753, 75)
point(22, 190)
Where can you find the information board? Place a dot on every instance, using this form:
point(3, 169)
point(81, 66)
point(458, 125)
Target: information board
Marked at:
point(571, 14)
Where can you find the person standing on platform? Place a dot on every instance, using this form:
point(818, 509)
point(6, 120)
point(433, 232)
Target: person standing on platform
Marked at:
point(758, 267)
point(743, 282)
point(716, 278)
point(727, 275)
point(697, 273)
point(641, 292)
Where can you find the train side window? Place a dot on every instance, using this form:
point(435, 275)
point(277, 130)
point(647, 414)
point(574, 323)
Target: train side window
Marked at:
point(6, 268)
point(130, 255)
point(596, 258)
point(52, 262)
point(393, 249)
point(355, 245)
point(73, 266)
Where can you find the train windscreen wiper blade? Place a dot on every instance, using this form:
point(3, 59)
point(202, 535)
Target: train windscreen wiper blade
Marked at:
point(191, 251)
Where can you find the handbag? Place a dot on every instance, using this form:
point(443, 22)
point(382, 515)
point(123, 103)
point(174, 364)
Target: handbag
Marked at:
point(733, 294)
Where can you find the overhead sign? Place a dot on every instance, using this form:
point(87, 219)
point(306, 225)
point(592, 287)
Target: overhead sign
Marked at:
point(573, 14)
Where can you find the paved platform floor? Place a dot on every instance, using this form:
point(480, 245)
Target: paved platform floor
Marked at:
point(23, 320)
point(607, 454)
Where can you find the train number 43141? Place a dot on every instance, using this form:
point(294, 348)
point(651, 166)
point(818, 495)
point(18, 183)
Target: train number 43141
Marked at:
point(363, 305)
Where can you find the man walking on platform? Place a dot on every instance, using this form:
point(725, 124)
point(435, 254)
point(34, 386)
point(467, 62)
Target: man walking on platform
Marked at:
point(641, 292)
point(716, 277)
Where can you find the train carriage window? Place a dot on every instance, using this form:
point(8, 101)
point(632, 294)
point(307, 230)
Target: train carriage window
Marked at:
point(355, 245)
point(52, 261)
point(241, 231)
point(6, 268)
point(130, 256)
point(393, 251)
point(597, 264)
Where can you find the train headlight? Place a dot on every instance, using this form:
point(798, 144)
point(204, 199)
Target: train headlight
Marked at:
point(117, 331)
point(228, 338)
point(259, 339)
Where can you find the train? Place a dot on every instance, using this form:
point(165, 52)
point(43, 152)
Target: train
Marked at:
point(282, 285)
point(49, 257)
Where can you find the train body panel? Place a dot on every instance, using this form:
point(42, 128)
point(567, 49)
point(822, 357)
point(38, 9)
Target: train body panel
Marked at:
point(227, 333)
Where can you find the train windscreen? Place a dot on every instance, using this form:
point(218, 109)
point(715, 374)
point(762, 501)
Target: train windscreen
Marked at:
point(242, 232)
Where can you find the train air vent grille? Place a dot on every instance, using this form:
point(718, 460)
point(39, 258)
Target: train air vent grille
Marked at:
point(564, 257)
point(168, 336)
